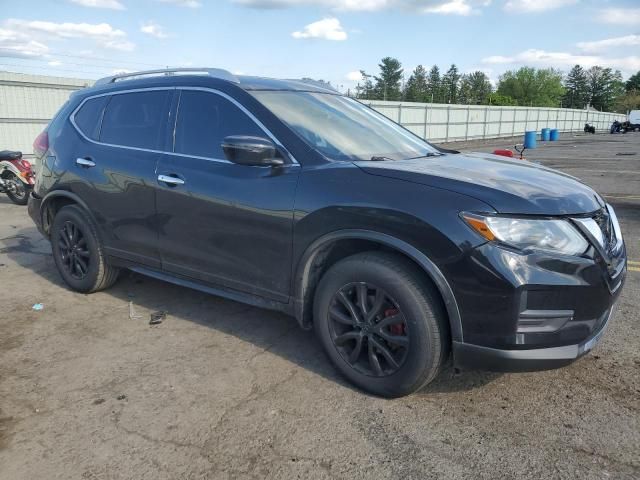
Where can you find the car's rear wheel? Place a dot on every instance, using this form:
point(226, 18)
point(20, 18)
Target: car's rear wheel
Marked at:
point(78, 252)
point(381, 323)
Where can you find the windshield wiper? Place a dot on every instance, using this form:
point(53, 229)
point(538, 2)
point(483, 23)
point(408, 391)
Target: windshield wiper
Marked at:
point(430, 154)
point(378, 158)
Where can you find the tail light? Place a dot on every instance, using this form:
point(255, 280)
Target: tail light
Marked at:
point(41, 144)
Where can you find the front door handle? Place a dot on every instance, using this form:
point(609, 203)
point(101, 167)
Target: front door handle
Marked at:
point(85, 162)
point(170, 180)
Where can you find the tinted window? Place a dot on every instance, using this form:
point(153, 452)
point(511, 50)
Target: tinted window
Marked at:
point(136, 119)
point(205, 119)
point(89, 116)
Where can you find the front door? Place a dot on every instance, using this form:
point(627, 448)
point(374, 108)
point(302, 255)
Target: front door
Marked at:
point(220, 222)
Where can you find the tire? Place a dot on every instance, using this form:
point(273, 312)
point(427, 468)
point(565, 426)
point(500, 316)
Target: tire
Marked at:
point(84, 268)
point(410, 323)
point(18, 193)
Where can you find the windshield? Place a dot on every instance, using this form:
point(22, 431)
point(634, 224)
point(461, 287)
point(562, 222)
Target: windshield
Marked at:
point(342, 128)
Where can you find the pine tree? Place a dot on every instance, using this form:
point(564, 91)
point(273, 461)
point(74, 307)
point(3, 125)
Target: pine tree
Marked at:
point(475, 88)
point(577, 88)
point(416, 89)
point(633, 84)
point(450, 84)
point(366, 90)
point(606, 86)
point(434, 85)
point(388, 84)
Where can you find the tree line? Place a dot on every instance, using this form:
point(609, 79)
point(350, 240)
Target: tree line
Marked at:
point(601, 88)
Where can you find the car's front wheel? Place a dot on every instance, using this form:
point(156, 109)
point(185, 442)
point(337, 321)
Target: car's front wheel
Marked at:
point(78, 252)
point(381, 323)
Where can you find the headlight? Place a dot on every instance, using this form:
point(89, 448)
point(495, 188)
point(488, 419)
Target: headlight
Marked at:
point(529, 234)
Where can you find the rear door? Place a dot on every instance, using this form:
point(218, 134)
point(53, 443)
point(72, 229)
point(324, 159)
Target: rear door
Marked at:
point(224, 223)
point(115, 168)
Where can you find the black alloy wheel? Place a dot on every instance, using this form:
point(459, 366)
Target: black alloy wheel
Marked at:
point(78, 251)
point(381, 323)
point(368, 329)
point(73, 249)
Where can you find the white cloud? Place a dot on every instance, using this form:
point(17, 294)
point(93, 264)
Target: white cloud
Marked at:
point(620, 16)
point(54, 63)
point(454, 7)
point(110, 4)
point(30, 35)
point(326, 29)
point(447, 7)
point(153, 29)
point(354, 76)
point(530, 6)
point(18, 44)
point(542, 58)
point(625, 42)
point(184, 3)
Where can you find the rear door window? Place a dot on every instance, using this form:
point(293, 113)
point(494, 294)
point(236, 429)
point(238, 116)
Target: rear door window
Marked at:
point(205, 119)
point(89, 116)
point(136, 119)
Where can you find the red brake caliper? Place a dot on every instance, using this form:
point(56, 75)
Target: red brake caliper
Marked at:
point(396, 328)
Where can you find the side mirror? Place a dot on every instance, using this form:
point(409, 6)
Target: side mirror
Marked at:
point(252, 151)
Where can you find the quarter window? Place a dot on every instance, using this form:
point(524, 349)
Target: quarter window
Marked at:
point(136, 119)
point(205, 119)
point(88, 117)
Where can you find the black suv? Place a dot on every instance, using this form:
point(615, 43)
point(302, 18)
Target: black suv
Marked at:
point(287, 195)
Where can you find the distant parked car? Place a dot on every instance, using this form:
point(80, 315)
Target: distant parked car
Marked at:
point(633, 122)
point(288, 195)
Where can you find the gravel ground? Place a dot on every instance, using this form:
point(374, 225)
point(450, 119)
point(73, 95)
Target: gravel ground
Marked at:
point(222, 390)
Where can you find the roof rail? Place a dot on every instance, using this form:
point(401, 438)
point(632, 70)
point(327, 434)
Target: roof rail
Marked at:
point(212, 72)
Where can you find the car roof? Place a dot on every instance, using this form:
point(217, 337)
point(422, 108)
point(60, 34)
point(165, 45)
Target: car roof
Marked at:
point(200, 76)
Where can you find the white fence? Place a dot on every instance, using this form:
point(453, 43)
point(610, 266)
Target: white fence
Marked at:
point(27, 102)
point(447, 123)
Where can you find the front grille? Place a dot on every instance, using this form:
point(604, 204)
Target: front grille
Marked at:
point(603, 219)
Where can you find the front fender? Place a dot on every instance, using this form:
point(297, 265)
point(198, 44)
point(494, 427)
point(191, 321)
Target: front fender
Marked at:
point(303, 273)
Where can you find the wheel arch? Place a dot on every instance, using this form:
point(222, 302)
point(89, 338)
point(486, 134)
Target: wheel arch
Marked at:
point(53, 201)
point(313, 264)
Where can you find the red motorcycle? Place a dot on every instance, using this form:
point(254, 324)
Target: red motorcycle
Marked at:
point(16, 176)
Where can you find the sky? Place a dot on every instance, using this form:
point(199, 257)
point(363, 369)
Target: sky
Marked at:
point(322, 39)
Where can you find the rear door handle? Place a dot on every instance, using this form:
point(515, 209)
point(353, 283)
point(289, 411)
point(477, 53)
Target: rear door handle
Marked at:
point(85, 162)
point(170, 180)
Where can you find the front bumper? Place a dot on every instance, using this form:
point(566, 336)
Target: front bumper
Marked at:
point(535, 311)
point(477, 357)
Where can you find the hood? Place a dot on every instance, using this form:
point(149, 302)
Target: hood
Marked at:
point(509, 186)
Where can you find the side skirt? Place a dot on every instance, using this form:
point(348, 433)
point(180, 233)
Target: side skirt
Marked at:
point(234, 295)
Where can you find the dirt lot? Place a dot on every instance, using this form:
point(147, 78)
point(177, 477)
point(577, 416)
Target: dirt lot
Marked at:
point(222, 390)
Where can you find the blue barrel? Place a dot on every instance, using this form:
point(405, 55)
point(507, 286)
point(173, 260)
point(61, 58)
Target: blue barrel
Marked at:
point(545, 134)
point(530, 139)
point(555, 135)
